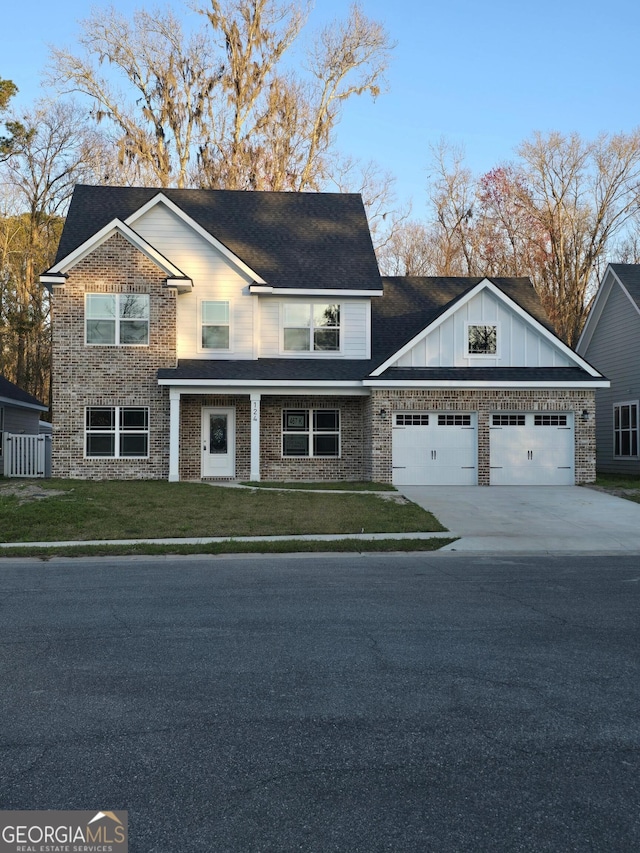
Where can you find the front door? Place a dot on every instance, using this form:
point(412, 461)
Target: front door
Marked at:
point(218, 442)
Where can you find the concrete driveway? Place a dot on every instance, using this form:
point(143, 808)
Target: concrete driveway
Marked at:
point(532, 518)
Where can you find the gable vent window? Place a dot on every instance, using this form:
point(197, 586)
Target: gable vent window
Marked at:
point(482, 339)
point(550, 420)
point(412, 420)
point(117, 319)
point(625, 429)
point(454, 420)
point(508, 420)
point(311, 328)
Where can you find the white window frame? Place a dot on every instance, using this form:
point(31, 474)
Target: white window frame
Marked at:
point(116, 319)
point(311, 352)
point(467, 327)
point(618, 431)
point(117, 431)
point(201, 303)
point(310, 432)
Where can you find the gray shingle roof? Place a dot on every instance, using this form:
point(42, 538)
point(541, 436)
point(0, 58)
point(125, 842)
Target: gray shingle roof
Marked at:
point(307, 240)
point(629, 275)
point(17, 395)
point(410, 304)
point(487, 374)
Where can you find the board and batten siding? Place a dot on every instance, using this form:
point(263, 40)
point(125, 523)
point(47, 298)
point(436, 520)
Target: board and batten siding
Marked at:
point(614, 350)
point(213, 276)
point(355, 325)
point(519, 344)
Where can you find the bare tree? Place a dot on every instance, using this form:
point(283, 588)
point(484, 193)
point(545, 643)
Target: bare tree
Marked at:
point(412, 249)
point(258, 104)
point(348, 58)
point(59, 151)
point(452, 194)
point(168, 82)
point(218, 109)
point(582, 194)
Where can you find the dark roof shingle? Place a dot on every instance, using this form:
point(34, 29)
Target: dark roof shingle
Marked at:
point(301, 240)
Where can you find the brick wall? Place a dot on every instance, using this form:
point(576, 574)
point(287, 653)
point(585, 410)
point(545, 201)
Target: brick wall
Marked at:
point(110, 375)
point(383, 403)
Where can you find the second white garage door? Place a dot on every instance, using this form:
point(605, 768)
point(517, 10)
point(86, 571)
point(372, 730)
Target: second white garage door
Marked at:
point(532, 449)
point(435, 449)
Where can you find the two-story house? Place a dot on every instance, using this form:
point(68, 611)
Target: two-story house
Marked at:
point(204, 334)
point(611, 340)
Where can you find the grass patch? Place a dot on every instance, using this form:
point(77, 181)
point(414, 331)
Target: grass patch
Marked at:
point(618, 481)
point(621, 485)
point(346, 486)
point(359, 546)
point(149, 509)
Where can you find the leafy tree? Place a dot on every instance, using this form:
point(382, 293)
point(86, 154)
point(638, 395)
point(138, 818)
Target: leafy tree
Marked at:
point(17, 132)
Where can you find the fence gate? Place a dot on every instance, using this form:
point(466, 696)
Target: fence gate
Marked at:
point(24, 455)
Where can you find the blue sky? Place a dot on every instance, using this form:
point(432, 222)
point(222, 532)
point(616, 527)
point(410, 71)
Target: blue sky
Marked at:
point(484, 76)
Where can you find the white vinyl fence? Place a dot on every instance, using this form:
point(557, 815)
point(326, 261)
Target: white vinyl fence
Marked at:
point(25, 455)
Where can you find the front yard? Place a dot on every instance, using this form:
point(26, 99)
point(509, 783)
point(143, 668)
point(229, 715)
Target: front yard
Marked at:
point(81, 510)
point(620, 485)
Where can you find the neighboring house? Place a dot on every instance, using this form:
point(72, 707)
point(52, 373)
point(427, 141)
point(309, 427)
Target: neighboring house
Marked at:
point(611, 340)
point(19, 413)
point(203, 334)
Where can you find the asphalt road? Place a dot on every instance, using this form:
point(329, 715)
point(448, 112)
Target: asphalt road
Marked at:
point(420, 702)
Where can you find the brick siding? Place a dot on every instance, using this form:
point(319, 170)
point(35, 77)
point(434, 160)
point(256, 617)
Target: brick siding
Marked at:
point(110, 375)
point(383, 404)
point(127, 376)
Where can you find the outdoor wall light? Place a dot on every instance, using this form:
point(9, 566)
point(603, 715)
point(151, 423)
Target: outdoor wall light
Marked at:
point(585, 414)
point(383, 413)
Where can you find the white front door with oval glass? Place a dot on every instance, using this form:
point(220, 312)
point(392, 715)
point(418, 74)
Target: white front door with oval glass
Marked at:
point(218, 442)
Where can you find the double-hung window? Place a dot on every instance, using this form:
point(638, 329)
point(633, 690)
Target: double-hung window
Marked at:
point(313, 327)
point(214, 333)
point(117, 319)
point(117, 432)
point(625, 429)
point(311, 432)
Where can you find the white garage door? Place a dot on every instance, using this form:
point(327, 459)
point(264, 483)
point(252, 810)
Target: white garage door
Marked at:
point(438, 449)
point(532, 449)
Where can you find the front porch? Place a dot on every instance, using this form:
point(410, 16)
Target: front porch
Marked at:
point(241, 435)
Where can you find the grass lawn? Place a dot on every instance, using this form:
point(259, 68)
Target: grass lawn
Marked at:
point(50, 510)
point(346, 486)
point(622, 485)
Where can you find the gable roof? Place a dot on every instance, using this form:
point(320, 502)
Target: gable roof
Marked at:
point(627, 276)
point(291, 240)
point(15, 396)
point(412, 303)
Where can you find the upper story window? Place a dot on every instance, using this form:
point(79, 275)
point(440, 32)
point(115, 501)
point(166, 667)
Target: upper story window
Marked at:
point(120, 319)
point(482, 339)
point(311, 327)
point(625, 429)
point(215, 325)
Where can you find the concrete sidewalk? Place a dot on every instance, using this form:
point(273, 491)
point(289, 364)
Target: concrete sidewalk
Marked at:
point(532, 518)
point(207, 540)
